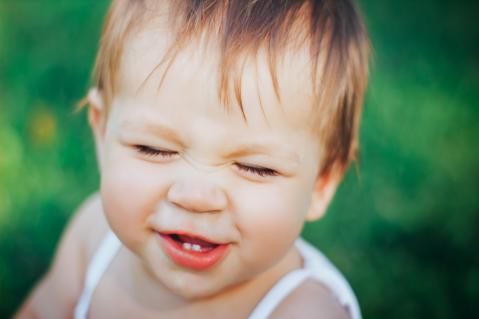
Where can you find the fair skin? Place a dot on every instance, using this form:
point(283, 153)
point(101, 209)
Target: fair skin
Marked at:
point(171, 161)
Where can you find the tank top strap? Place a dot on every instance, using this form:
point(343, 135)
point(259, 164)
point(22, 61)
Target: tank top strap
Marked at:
point(317, 267)
point(102, 258)
point(275, 295)
point(320, 268)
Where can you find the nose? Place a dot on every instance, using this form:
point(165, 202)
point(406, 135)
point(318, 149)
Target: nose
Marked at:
point(197, 196)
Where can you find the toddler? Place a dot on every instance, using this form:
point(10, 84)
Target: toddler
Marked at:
point(220, 128)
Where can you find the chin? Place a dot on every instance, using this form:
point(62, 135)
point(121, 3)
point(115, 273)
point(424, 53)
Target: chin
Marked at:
point(189, 290)
point(197, 286)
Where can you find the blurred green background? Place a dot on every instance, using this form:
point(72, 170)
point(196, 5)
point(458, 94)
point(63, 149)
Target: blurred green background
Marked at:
point(404, 230)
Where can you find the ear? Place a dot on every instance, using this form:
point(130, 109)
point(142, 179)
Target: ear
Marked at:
point(96, 114)
point(323, 192)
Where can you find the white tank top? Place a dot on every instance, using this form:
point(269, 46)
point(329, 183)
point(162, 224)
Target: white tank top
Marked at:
point(316, 266)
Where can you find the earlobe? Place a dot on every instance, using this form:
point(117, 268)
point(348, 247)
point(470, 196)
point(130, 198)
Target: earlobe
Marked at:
point(96, 112)
point(323, 192)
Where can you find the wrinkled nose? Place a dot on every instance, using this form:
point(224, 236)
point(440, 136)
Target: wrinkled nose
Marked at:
point(196, 196)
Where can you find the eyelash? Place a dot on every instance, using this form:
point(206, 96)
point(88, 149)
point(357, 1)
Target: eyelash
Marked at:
point(260, 171)
point(143, 149)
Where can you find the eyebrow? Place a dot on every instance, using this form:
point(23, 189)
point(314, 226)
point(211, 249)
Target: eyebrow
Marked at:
point(265, 148)
point(157, 129)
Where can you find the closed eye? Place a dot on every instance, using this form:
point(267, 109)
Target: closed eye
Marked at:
point(155, 152)
point(257, 170)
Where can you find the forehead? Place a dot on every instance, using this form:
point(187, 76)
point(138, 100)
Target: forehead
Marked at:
point(192, 75)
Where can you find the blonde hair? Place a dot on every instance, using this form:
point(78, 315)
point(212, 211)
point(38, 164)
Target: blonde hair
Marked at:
point(333, 30)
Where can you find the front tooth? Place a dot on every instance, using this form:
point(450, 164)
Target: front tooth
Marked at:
point(196, 247)
point(187, 246)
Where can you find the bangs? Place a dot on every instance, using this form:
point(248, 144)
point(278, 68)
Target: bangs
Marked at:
point(331, 31)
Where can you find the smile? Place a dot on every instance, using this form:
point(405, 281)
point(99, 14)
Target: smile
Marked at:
point(191, 251)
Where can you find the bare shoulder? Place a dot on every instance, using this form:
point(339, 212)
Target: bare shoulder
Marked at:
point(89, 224)
point(56, 294)
point(311, 300)
point(85, 230)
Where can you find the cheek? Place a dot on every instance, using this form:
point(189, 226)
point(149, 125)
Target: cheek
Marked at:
point(270, 219)
point(129, 192)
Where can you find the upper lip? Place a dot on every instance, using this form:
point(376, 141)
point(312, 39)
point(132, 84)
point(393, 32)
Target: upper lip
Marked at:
point(190, 234)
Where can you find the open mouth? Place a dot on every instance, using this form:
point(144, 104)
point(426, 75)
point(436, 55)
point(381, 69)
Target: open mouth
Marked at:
point(192, 251)
point(193, 243)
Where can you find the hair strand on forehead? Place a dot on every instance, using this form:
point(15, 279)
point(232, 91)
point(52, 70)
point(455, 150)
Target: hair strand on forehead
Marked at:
point(332, 31)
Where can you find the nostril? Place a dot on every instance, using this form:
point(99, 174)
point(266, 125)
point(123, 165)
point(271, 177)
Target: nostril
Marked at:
point(220, 198)
point(197, 197)
point(174, 192)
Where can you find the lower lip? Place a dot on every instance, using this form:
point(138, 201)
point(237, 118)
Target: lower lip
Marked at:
point(189, 258)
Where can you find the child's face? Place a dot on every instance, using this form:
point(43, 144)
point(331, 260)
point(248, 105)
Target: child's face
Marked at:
point(174, 160)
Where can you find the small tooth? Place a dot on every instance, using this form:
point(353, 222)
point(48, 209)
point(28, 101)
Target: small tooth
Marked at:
point(187, 246)
point(196, 247)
